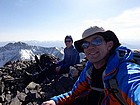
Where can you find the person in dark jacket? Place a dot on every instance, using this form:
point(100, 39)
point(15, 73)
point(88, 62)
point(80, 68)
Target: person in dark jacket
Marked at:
point(71, 56)
point(106, 59)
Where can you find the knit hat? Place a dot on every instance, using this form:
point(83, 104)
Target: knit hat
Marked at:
point(107, 35)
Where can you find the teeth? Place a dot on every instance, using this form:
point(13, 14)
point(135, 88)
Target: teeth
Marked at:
point(92, 53)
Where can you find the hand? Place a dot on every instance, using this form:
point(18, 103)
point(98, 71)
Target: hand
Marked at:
point(50, 102)
point(58, 69)
point(56, 61)
point(73, 71)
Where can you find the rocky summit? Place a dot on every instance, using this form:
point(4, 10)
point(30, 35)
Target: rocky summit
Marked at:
point(26, 82)
point(20, 83)
point(24, 74)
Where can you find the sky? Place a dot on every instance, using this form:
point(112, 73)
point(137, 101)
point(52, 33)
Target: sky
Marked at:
point(50, 20)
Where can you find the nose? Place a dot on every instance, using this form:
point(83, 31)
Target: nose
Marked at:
point(91, 46)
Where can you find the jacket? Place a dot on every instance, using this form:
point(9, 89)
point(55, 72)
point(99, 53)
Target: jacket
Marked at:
point(127, 75)
point(71, 57)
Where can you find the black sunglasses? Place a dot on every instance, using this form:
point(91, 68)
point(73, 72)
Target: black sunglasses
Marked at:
point(67, 41)
point(94, 42)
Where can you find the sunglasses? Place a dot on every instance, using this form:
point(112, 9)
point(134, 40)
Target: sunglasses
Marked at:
point(94, 42)
point(67, 41)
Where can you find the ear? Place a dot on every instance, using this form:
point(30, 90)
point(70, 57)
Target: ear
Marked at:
point(110, 45)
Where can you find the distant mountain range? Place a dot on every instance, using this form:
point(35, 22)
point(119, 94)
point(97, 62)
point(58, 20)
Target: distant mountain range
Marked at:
point(11, 51)
point(23, 51)
point(60, 44)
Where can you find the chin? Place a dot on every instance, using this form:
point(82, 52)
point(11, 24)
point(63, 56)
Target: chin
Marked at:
point(93, 61)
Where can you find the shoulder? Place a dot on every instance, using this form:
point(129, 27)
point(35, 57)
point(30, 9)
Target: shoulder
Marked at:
point(130, 65)
point(128, 69)
point(75, 50)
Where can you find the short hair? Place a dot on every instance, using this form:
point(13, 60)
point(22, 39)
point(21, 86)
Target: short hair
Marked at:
point(69, 37)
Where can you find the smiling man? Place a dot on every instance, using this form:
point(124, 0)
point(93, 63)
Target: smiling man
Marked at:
point(106, 60)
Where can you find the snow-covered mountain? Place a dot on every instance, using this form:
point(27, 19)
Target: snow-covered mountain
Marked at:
point(23, 51)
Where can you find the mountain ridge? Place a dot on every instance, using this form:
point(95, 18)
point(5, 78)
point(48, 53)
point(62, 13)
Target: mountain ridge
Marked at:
point(130, 44)
point(23, 51)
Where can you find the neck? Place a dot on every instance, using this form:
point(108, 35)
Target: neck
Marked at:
point(69, 46)
point(101, 63)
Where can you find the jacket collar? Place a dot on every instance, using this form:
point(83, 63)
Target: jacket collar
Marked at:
point(114, 61)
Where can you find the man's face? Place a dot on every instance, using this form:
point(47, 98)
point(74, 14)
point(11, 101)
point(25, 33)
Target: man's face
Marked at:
point(97, 50)
point(68, 42)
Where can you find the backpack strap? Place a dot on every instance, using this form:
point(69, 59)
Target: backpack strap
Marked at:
point(116, 91)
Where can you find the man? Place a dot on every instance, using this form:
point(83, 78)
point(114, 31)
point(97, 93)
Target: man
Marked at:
point(71, 57)
point(106, 60)
point(50, 67)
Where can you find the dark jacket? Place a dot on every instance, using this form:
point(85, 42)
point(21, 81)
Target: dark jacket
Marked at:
point(71, 57)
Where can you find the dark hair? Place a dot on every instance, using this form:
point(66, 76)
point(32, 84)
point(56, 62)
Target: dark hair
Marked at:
point(69, 37)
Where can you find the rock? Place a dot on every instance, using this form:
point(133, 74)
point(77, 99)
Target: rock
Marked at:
point(20, 83)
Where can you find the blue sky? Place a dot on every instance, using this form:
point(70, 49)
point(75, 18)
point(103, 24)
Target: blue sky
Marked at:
point(46, 20)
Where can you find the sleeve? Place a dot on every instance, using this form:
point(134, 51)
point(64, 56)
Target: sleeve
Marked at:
point(80, 87)
point(129, 82)
point(75, 57)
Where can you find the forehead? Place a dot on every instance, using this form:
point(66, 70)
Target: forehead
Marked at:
point(93, 37)
point(67, 39)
